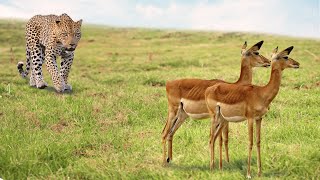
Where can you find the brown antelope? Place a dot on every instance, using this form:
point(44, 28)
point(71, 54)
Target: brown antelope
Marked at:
point(236, 103)
point(186, 96)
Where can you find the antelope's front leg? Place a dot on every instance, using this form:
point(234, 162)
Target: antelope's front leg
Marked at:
point(53, 69)
point(250, 132)
point(66, 62)
point(220, 151)
point(226, 140)
point(212, 141)
point(258, 132)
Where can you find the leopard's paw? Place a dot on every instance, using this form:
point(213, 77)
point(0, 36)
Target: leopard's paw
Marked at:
point(41, 85)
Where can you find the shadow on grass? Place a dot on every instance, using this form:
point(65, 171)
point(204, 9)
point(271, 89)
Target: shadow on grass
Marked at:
point(203, 167)
point(52, 89)
point(237, 165)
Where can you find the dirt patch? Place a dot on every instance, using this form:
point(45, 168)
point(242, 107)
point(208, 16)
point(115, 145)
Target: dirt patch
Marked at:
point(302, 87)
point(33, 119)
point(154, 82)
point(175, 35)
point(314, 85)
point(145, 134)
point(60, 126)
point(96, 110)
point(91, 40)
point(106, 147)
point(103, 95)
point(88, 150)
point(105, 124)
point(126, 146)
point(80, 152)
point(119, 119)
point(157, 84)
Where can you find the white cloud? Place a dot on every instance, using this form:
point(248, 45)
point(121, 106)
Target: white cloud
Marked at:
point(241, 15)
point(94, 11)
point(149, 11)
point(11, 12)
point(272, 16)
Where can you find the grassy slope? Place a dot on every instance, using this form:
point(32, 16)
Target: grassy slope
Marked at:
point(110, 125)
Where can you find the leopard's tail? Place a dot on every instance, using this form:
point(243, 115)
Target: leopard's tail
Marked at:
point(20, 66)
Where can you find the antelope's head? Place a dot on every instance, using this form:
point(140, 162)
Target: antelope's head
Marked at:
point(282, 60)
point(252, 57)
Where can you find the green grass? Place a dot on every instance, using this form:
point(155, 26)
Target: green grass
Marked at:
point(110, 126)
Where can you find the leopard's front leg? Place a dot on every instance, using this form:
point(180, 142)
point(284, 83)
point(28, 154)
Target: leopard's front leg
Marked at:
point(66, 62)
point(52, 67)
point(36, 77)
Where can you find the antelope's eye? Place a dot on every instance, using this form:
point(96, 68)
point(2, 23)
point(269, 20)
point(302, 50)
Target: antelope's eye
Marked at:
point(286, 57)
point(256, 53)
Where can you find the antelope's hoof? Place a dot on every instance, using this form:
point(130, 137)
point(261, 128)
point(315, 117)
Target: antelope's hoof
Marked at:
point(211, 167)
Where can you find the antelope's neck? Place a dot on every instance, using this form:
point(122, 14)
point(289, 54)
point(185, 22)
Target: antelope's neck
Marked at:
point(245, 74)
point(271, 90)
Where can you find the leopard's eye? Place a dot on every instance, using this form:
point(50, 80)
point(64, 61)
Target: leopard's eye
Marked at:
point(64, 34)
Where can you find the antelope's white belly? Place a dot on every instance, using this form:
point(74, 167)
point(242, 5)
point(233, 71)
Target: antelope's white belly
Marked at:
point(195, 109)
point(199, 116)
point(233, 113)
point(235, 118)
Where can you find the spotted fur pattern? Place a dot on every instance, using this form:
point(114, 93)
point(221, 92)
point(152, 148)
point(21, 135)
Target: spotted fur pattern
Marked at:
point(46, 38)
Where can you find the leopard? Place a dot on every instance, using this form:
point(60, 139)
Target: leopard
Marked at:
point(47, 37)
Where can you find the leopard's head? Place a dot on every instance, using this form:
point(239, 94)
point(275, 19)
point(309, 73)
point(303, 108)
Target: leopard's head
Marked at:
point(68, 32)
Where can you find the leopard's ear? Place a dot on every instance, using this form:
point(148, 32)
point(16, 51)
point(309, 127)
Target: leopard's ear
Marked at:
point(79, 22)
point(58, 20)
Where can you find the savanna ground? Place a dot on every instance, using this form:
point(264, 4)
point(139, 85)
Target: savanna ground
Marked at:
point(110, 125)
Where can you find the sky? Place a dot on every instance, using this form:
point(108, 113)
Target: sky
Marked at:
point(299, 18)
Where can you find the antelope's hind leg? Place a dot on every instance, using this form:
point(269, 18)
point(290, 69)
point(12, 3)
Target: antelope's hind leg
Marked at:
point(171, 120)
point(180, 118)
point(217, 124)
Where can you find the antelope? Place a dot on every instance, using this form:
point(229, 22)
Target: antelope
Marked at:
point(186, 96)
point(235, 103)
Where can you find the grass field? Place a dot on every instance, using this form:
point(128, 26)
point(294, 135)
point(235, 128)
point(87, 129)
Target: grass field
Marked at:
point(110, 126)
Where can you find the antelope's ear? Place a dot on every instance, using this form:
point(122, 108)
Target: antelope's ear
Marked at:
point(257, 46)
point(274, 54)
point(285, 52)
point(244, 46)
point(275, 50)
